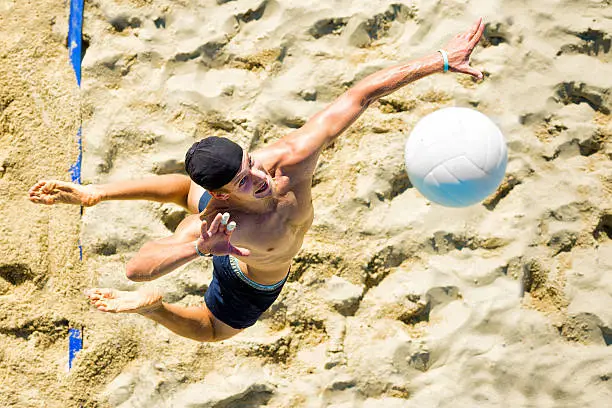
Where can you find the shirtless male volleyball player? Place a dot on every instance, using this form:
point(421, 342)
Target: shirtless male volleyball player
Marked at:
point(265, 193)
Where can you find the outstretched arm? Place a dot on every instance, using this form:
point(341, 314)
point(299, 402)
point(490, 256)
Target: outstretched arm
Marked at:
point(328, 124)
point(157, 258)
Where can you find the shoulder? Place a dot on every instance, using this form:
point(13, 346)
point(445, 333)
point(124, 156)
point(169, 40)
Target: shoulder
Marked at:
point(292, 152)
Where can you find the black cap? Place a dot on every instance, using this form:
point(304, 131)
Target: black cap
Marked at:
point(213, 162)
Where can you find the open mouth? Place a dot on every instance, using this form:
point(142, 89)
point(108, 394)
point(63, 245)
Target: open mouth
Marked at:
point(263, 188)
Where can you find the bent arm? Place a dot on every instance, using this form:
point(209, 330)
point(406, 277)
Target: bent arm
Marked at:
point(157, 258)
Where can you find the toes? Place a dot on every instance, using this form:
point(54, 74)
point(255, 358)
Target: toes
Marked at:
point(100, 293)
point(100, 304)
point(107, 293)
point(105, 308)
point(89, 292)
point(102, 299)
point(105, 305)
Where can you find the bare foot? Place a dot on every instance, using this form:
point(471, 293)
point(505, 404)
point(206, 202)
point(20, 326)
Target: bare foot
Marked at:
point(117, 301)
point(55, 192)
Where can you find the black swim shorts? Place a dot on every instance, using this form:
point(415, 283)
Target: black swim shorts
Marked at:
point(235, 299)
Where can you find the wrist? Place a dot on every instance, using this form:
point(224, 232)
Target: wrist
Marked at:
point(444, 57)
point(199, 251)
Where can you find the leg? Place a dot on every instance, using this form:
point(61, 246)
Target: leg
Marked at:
point(196, 323)
point(172, 188)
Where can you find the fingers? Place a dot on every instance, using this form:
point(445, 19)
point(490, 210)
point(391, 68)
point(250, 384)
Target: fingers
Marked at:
point(224, 226)
point(474, 28)
point(38, 195)
point(48, 187)
point(203, 228)
point(231, 226)
point(473, 72)
point(214, 225)
point(225, 218)
point(219, 234)
point(36, 187)
point(46, 200)
point(478, 33)
point(239, 251)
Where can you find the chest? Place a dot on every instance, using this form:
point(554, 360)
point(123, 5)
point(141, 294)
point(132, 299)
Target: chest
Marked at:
point(274, 231)
point(276, 228)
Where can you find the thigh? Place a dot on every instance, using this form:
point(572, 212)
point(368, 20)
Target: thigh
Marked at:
point(221, 330)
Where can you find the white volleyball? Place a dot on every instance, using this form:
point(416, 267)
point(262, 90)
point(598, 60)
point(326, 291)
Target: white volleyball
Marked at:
point(456, 157)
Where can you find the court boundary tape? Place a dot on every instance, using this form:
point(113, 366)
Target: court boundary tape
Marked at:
point(75, 48)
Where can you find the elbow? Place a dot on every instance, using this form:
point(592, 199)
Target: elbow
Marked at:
point(362, 96)
point(134, 273)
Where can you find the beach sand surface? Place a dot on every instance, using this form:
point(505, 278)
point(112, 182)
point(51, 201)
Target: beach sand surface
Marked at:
point(393, 301)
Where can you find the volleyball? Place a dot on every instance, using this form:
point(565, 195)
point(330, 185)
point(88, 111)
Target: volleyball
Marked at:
point(456, 157)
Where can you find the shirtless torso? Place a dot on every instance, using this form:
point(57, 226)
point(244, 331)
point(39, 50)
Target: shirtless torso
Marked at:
point(273, 233)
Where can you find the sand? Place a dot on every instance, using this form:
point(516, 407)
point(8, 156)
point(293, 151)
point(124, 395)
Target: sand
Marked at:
point(392, 301)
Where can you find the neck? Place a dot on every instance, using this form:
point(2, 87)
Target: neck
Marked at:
point(254, 206)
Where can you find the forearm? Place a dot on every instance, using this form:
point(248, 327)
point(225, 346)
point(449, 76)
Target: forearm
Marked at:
point(157, 259)
point(165, 188)
point(324, 127)
point(389, 80)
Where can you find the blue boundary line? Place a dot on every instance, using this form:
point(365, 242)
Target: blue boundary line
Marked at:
point(75, 169)
point(75, 36)
point(75, 43)
point(75, 344)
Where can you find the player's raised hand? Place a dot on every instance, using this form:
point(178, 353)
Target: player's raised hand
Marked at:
point(460, 47)
point(216, 238)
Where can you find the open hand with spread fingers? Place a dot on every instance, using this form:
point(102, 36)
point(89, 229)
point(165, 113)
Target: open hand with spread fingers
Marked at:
point(460, 47)
point(215, 239)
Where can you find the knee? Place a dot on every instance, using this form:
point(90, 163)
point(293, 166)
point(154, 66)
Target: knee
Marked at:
point(215, 338)
point(211, 333)
point(206, 338)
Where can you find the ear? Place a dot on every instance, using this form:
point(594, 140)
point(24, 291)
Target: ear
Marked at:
point(219, 196)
